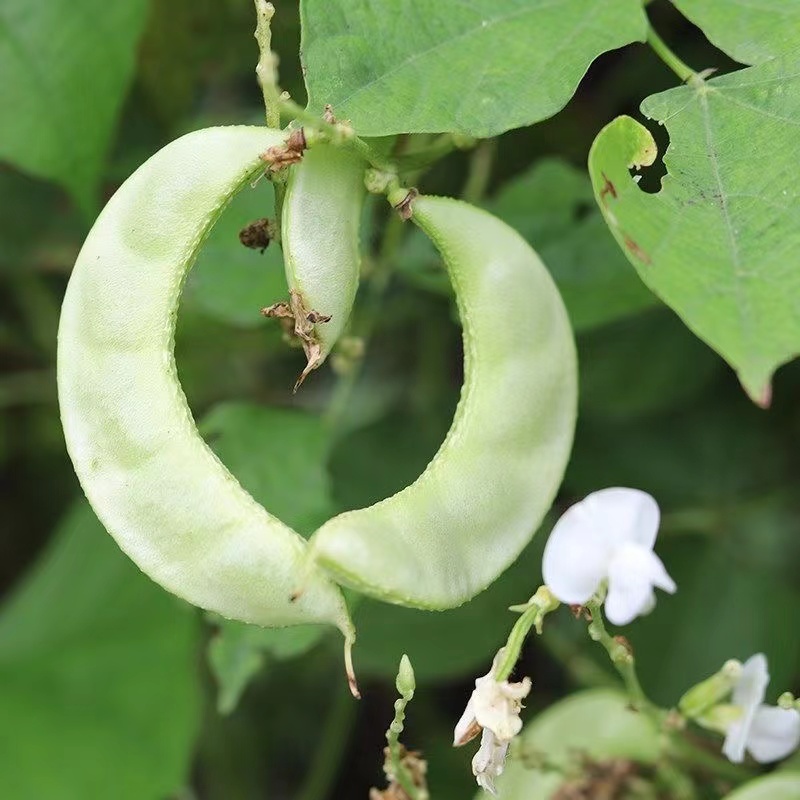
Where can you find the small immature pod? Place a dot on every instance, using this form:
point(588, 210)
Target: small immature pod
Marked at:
point(319, 232)
point(444, 538)
point(153, 482)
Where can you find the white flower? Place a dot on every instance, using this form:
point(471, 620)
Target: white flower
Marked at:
point(489, 762)
point(493, 707)
point(768, 733)
point(608, 536)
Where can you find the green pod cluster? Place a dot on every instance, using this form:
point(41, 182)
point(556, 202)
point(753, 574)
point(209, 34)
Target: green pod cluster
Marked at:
point(176, 510)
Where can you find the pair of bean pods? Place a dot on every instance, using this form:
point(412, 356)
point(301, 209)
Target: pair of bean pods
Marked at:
point(175, 509)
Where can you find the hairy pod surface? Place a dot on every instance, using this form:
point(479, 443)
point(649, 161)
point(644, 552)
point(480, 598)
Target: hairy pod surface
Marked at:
point(319, 234)
point(152, 480)
point(444, 538)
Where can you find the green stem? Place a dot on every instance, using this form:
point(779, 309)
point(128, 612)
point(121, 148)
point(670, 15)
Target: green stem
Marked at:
point(480, 171)
point(659, 46)
point(624, 662)
point(266, 70)
point(335, 134)
point(328, 757)
point(516, 639)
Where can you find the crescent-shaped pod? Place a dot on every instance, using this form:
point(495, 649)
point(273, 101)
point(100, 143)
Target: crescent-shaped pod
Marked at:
point(444, 538)
point(152, 480)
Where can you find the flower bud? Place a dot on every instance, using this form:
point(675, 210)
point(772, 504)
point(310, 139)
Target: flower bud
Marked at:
point(708, 693)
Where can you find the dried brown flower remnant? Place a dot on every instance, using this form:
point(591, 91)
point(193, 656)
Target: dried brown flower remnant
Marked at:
point(257, 235)
point(298, 323)
point(286, 154)
point(415, 765)
point(602, 780)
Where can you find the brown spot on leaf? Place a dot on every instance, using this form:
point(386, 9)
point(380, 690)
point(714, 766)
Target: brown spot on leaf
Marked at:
point(636, 251)
point(608, 189)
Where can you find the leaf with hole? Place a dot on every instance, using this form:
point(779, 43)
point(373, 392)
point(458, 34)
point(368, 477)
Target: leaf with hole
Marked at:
point(718, 243)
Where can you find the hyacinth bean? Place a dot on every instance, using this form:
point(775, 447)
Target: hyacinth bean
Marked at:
point(444, 538)
point(152, 480)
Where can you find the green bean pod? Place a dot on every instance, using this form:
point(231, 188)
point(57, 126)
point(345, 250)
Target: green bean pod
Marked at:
point(444, 538)
point(152, 480)
point(319, 234)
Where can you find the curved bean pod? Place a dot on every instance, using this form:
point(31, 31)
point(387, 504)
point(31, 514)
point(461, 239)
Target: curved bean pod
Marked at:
point(319, 233)
point(444, 538)
point(153, 482)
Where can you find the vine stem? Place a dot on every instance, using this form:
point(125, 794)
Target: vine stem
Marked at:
point(266, 68)
point(662, 50)
point(480, 171)
point(328, 757)
point(624, 662)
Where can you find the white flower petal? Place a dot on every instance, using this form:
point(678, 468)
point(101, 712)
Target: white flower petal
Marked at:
point(575, 557)
point(497, 706)
point(632, 573)
point(774, 733)
point(624, 515)
point(467, 727)
point(735, 740)
point(752, 684)
point(489, 761)
point(748, 694)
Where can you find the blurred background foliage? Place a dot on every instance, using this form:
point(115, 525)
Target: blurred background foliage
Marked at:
point(110, 687)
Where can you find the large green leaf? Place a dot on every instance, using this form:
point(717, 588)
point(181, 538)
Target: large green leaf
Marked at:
point(751, 31)
point(597, 723)
point(719, 242)
point(396, 66)
point(98, 684)
point(66, 65)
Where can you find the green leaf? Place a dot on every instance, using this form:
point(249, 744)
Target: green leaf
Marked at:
point(750, 31)
point(98, 684)
point(229, 281)
point(470, 67)
point(239, 652)
point(718, 243)
point(772, 787)
point(596, 723)
point(279, 456)
point(66, 66)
